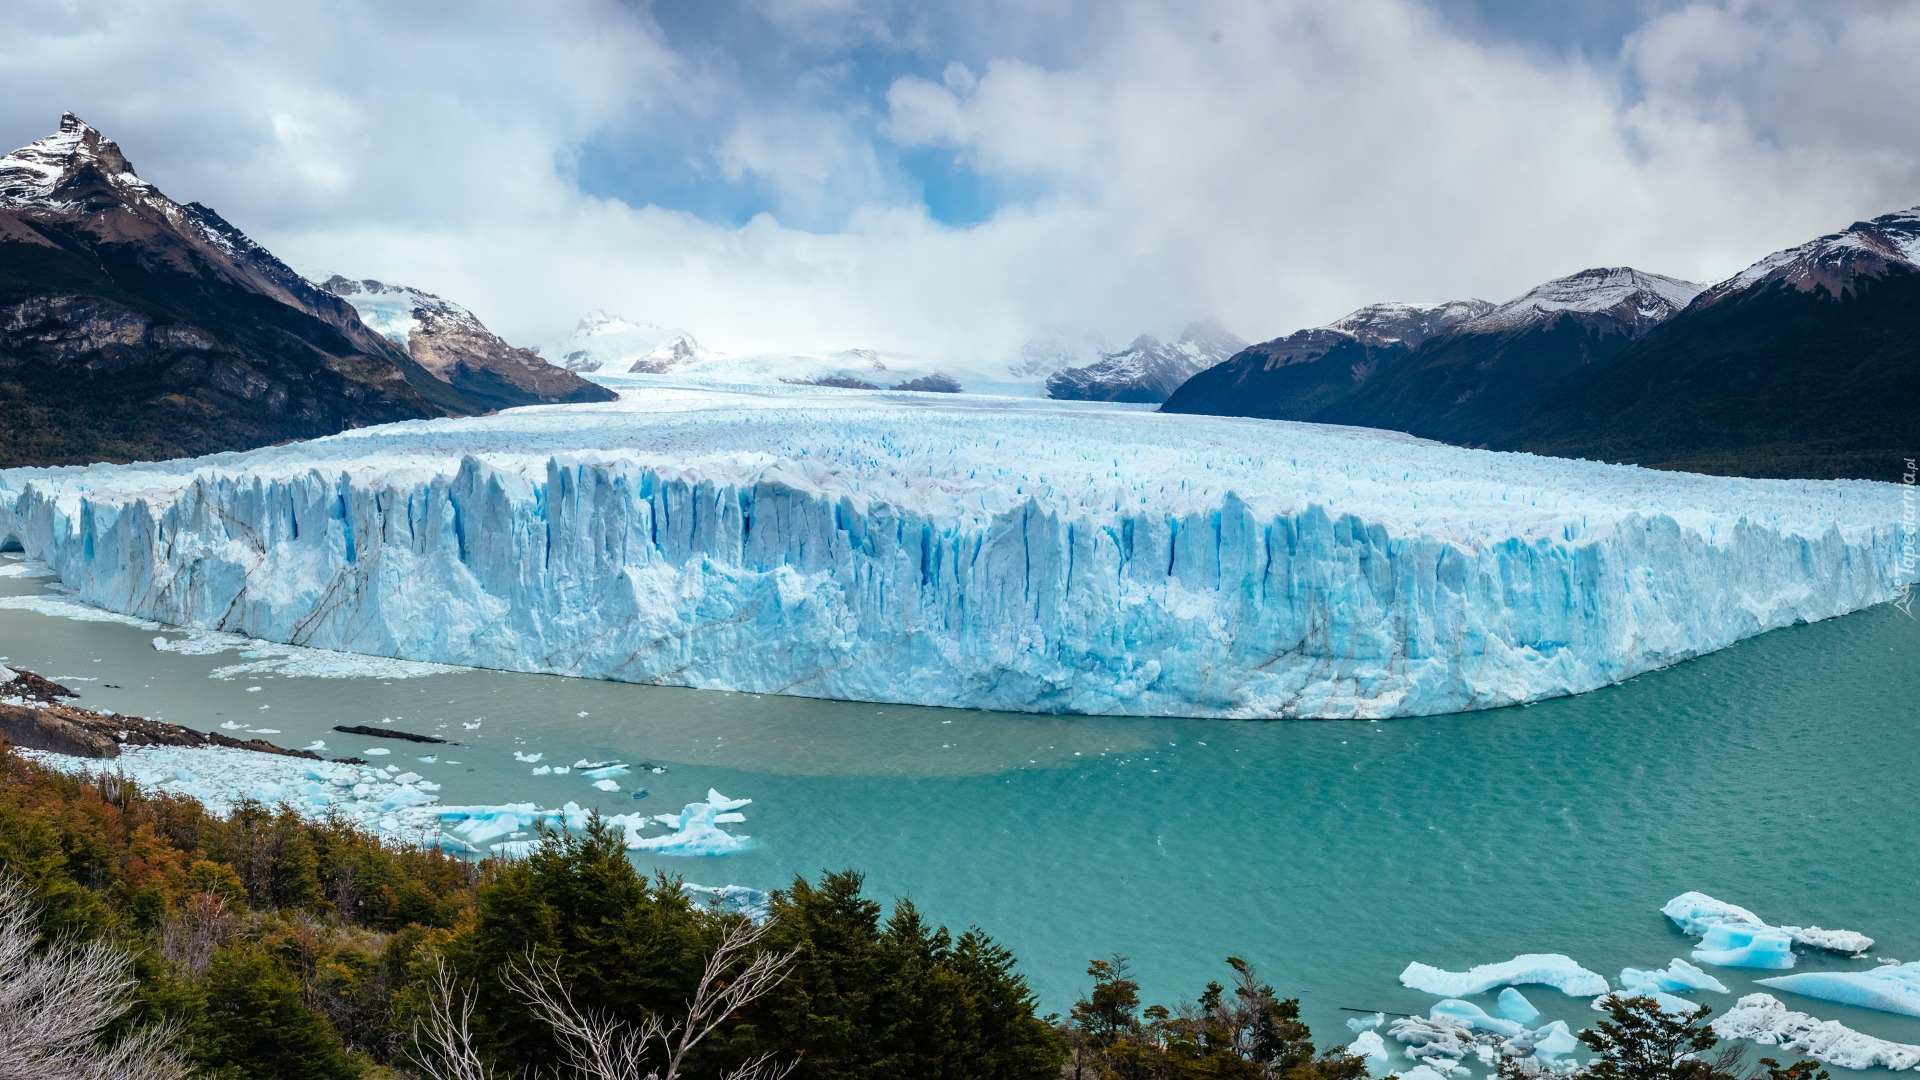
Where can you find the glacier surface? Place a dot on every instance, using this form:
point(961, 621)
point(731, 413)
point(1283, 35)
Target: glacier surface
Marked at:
point(988, 553)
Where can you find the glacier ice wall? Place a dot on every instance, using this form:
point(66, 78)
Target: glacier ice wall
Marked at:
point(979, 554)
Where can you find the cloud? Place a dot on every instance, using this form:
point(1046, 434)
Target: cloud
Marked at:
point(1274, 163)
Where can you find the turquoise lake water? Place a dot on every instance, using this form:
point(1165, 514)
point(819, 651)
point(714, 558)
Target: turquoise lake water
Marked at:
point(1782, 774)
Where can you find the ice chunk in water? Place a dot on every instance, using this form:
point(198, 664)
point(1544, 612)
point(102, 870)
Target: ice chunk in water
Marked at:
point(1762, 1018)
point(1679, 977)
point(1735, 937)
point(1554, 1040)
point(606, 785)
point(1366, 1023)
point(1543, 969)
point(696, 829)
point(1514, 1006)
point(1475, 1017)
point(1368, 1045)
point(528, 758)
point(1894, 988)
point(1732, 945)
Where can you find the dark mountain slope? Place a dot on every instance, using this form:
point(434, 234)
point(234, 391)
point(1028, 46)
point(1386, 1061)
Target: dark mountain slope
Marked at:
point(134, 327)
point(1484, 376)
point(1772, 381)
point(1295, 377)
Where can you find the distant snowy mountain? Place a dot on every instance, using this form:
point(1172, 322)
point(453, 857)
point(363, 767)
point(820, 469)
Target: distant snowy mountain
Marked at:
point(452, 343)
point(604, 342)
point(132, 326)
point(1147, 370)
point(1293, 377)
point(1055, 349)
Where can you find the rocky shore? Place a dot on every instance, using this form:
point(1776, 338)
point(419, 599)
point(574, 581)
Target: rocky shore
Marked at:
point(34, 716)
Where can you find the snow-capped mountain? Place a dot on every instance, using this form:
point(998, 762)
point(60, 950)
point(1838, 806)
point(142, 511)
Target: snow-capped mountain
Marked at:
point(1480, 377)
point(1612, 300)
point(1804, 365)
point(453, 344)
point(606, 342)
point(1292, 377)
point(136, 326)
point(1147, 370)
point(1056, 349)
point(1868, 250)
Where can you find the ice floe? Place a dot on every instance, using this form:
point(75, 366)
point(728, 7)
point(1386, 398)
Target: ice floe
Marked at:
point(1732, 936)
point(1453, 1031)
point(1678, 978)
point(1531, 969)
point(738, 899)
point(1763, 1019)
point(696, 828)
point(1893, 988)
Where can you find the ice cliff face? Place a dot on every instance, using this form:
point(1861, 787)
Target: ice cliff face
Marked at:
point(966, 552)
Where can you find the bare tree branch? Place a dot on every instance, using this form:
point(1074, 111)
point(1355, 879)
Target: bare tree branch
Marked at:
point(443, 1039)
point(57, 1001)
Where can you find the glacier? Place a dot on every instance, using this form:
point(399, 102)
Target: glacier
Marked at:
point(983, 553)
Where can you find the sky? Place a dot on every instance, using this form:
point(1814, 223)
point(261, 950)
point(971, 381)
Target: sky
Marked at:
point(944, 181)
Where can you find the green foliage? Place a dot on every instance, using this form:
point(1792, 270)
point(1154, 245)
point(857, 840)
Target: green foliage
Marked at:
point(258, 1028)
point(1250, 1035)
point(1641, 1041)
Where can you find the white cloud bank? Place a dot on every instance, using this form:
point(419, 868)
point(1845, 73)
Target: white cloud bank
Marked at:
point(1273, 163)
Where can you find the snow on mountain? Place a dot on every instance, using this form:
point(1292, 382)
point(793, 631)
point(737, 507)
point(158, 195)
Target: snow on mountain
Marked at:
point(1833, 262)
point(34, 174)
point(1406, 324)
point(965, 551)
point(1147, 370)
point(1054, 349)
point(604, 342)
point(1615, 299)
point(457, 348)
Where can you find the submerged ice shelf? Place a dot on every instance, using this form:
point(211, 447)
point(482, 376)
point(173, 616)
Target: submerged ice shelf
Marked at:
point(983, 553)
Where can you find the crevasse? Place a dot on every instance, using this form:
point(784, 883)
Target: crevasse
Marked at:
point(1005, 557)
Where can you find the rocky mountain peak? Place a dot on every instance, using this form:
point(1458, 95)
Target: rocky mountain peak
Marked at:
point(1614, 299)
point(39, 171)
point(1835, 262)
point(1407, 324)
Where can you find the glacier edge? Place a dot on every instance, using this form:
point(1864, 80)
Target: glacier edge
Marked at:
point(748, 572)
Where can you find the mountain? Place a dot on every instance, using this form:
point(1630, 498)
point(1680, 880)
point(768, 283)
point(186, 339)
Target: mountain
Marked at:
point(1147, 370)
point(1294, 377)
point(1482, 377)
point(455, 347)
point(1804, 365)
point(132, 326)
point(603, 342)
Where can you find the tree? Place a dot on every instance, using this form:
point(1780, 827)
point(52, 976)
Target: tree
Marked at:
point(1639, 1040)
point(58, 1002)
point(593, 1043)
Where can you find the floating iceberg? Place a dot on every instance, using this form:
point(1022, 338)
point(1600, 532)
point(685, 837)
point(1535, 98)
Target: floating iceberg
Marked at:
point(1893, 988)
point(1762, 1018)
point(1366, 1023)
point(1368, 1045)
point(981, 553)
point(1732, 936)
point(753, 903)
point(1679, 978)
point(1543, 969)
point(1476, 1017)
point(696, 828)
point(1513, 1005)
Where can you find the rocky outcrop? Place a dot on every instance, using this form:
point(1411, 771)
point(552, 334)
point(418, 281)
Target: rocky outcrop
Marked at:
point(34, 716)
